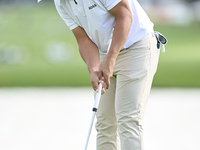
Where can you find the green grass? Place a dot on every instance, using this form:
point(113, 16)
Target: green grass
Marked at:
point(32, 28)
point(180, 65)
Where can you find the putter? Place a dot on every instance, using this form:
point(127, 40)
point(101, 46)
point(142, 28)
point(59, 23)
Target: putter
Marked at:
point(96, 103)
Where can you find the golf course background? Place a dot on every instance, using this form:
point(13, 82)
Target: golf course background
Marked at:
point(38, 49)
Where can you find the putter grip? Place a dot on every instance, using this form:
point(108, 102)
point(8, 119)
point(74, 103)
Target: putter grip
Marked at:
point(97, 98)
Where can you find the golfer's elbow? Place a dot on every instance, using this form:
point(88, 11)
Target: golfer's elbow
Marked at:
point(126, 19)
point(128, 15)
point(129, 18)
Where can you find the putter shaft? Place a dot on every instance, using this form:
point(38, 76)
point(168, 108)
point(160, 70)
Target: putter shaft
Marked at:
point(96, 103)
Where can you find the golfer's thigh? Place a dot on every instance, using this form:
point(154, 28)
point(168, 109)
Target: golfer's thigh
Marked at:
point(133, 82)
point(106, 110)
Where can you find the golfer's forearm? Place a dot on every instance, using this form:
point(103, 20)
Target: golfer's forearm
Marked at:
point(120, 35)
point(90, 54)
point(124, 18)
point(87, 48)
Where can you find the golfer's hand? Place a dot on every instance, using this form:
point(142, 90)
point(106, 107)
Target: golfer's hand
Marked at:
point(106, 70)
point(94, 79)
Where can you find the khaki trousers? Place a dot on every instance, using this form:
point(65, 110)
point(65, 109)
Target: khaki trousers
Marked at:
point(121, 108)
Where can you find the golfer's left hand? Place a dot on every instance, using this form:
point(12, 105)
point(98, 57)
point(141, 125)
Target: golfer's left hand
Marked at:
point(106, 70)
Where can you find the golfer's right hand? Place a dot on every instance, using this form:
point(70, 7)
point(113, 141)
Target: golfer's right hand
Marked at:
point(94, 79)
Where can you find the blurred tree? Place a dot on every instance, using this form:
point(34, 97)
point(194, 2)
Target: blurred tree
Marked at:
point(195, 7)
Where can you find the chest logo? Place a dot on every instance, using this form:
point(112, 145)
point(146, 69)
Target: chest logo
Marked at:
point(92, 6)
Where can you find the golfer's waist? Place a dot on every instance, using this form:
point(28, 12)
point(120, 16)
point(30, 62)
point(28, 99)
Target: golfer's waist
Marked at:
point(105, 51)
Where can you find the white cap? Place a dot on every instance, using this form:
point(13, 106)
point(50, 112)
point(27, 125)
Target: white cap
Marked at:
point(39, 1)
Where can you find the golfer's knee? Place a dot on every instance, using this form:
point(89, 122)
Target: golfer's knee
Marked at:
point(106, 127)
point(129, 124)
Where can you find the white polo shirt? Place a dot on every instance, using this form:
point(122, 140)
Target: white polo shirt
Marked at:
point(98, 23)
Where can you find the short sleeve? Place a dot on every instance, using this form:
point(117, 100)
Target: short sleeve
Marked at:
point(66, 17)
point(109, 4)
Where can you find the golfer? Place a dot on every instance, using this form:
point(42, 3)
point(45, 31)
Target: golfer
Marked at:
point(126, 70)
